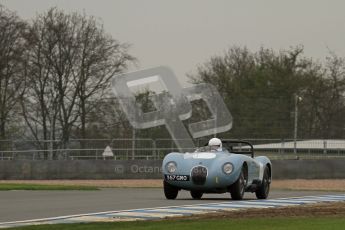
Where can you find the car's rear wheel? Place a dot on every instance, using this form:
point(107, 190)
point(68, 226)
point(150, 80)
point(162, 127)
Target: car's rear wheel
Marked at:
point(237, 189)
point(170, 191)
point(264, 189)
point(196, 194)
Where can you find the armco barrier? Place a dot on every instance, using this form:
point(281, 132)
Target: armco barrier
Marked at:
point(151, 169)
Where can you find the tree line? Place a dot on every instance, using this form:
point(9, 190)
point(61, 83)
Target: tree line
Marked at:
point(55, 73)
point(262, 90)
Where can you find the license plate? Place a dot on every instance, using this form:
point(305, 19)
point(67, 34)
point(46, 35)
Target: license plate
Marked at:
point(177, 177)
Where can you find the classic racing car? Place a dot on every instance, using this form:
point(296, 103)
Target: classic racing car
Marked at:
point(218, 167)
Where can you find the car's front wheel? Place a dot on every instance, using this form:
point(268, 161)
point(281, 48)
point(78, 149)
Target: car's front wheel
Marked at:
point(264, 189)
point(196, 194)
point(170, 191)
point(237, 189)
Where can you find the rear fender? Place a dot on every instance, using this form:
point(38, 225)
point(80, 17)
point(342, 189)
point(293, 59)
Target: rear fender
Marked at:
point(264, 161)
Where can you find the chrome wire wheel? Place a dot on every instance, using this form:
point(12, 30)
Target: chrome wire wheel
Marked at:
point(238, 188)
point(264, 189)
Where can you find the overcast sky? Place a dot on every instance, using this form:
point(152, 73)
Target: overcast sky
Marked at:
point(185, 33)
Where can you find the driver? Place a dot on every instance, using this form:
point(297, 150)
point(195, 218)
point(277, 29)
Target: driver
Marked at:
point(215, 144)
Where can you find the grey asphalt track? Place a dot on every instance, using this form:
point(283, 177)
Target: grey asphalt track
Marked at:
point(24, 205)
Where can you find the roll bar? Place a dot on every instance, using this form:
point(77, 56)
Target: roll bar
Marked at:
point(242, 147)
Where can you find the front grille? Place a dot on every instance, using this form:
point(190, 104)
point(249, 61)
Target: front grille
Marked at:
point(198, 175)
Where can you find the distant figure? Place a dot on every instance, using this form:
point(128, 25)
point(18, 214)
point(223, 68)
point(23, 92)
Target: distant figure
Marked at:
point(215, 144)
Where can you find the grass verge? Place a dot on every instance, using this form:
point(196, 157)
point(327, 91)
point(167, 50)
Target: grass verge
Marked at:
point(312, 223)
point(9, 186)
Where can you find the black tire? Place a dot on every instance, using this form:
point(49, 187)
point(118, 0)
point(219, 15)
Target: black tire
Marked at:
point(196, 194)
point(238, 188)
point(170, 191)
point(264, 189)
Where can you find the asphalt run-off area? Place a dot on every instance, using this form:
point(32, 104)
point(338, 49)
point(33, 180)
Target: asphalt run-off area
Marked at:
point(26, 205)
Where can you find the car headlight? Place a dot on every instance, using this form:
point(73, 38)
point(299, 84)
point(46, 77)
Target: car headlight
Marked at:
point(227, 168)
point(171, 167)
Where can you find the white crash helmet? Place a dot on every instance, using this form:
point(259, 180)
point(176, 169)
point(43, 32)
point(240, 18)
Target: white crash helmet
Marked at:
point(215, 143)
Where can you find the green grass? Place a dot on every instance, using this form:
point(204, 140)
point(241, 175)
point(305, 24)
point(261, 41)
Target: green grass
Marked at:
point(6, 187)
point(219, 224)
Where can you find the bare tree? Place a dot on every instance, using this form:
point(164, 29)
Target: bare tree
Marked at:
point(101, 57)
point(40, 103)
point(70, 63)
point(11, 67)
point(331, 106)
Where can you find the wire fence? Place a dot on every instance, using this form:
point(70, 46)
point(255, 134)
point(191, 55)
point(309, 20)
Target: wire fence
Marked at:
point(155, 149)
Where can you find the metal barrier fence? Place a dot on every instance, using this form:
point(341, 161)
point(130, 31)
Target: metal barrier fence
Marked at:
point(129, 149)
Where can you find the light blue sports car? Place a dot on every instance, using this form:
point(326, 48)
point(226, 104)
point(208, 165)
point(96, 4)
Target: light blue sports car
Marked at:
point(219, 167)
